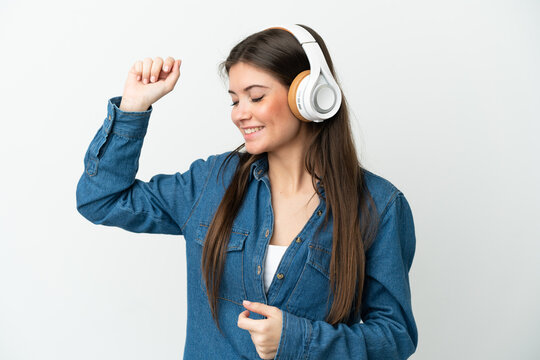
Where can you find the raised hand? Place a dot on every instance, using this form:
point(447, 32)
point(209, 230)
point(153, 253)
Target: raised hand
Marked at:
point(148, 81)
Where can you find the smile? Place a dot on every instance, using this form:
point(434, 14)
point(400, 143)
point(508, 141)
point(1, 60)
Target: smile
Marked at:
point(252, 130)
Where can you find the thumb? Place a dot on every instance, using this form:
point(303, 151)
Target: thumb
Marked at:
point(259, 308)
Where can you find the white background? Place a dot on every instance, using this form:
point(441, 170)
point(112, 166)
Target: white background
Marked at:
point(445, 100)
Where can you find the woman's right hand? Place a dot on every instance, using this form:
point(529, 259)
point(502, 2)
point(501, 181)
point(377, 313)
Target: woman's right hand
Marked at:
point(148, 81)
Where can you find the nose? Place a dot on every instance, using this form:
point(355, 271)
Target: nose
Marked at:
point(241, 111)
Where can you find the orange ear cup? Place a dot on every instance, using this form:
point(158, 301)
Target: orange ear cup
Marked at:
point(292, 94)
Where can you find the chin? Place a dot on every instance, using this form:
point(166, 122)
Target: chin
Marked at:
point(255, 150)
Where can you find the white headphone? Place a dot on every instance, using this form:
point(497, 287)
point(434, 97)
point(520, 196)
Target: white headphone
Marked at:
point(314, 94)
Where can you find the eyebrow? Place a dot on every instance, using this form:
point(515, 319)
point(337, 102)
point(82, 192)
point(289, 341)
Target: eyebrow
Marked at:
point(249, 87)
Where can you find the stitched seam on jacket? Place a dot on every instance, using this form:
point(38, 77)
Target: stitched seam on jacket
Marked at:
point(295, 286)
point(308, 342)
point(229, 300)
point(200, 195)
point(127, 136)
point(158, 219)
point(238, 232)
point(319, 268)
point(390, 202)
point(284, 337)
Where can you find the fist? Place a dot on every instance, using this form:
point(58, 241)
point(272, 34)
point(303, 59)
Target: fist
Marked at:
point(149, 80)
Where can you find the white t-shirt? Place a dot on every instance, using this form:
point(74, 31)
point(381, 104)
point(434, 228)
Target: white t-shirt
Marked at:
point(274, 253)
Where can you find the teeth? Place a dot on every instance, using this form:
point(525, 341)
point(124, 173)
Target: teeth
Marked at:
point(252, 130)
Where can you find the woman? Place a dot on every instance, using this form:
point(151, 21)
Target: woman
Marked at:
point(319, 246)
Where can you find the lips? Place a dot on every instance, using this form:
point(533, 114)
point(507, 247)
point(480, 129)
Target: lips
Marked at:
point(251, 130)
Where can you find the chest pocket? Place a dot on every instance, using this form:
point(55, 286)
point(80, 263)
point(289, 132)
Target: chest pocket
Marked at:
point(311, 297)
point(232, 278)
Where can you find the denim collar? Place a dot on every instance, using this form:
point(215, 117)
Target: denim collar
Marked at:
point(259, 168)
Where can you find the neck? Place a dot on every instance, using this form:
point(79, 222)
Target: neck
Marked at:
point(286, 170)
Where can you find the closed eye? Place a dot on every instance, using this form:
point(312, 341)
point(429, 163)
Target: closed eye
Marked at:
point(253, 100)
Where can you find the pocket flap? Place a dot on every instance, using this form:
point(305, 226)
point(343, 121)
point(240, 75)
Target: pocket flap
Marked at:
point(236, 241)
point(320, 258)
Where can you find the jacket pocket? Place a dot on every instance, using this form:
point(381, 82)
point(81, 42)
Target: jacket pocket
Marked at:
point(311, 297)
point(232, 278)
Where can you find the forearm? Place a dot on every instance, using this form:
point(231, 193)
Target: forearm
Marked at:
point(107, 192)
point(381, 339)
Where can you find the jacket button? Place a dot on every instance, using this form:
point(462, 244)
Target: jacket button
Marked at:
point(319, 212)
point(280, 276)
point(266, 233)
point(258, 269)
point(259, 172)
point(298, 240)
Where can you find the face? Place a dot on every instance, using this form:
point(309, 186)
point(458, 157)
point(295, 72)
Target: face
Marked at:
point(261, 112)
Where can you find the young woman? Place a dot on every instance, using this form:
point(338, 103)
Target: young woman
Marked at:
point(320, 247)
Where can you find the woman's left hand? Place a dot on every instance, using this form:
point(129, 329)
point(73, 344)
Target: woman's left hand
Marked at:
point(265, 333)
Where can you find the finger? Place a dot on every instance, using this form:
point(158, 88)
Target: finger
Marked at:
point(244, 322)
point(244, 314)
point(147, 67)
point(156, 69)
point(260, 308)
point(174, 75)
point(135, 70)
point(168, 64)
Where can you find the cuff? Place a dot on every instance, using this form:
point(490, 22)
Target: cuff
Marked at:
point(132, 124)
point(295, 337)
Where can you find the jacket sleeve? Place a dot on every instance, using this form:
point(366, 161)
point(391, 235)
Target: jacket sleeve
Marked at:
point(388, 329)
point(108, 192)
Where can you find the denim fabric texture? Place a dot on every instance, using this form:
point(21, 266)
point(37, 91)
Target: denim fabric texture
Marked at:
point(108, 193)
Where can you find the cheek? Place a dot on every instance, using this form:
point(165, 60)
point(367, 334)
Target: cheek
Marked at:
point(278, 111)
point(283, 108)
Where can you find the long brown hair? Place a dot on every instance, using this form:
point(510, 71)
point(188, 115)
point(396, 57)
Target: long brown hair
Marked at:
point(330, 158)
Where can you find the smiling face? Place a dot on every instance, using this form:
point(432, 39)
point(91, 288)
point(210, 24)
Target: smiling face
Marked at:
point(261, 111)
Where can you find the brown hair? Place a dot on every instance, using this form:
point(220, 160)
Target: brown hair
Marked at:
point(331, 153)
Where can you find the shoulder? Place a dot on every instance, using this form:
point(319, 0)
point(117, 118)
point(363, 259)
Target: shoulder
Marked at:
point(215, 168)
point(396, 240)
point(383, 192)
point(213, 162)
point(225, 162)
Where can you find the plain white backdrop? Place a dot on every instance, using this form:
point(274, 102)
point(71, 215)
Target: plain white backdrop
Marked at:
point(445, 100)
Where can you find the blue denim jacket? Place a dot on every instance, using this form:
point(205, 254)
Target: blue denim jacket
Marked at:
point(183, 204)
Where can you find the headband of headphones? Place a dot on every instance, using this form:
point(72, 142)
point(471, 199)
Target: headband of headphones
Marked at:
point(314, 94)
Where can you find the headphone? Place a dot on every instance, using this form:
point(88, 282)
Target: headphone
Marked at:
point(314, 94)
